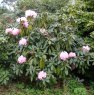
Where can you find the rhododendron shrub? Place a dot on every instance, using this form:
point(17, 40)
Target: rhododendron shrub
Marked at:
point(46, 47)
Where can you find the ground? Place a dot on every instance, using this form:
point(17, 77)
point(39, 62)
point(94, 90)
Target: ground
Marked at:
point(20, 89)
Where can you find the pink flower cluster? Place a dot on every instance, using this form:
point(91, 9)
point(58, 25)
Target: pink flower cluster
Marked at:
point(25, 24)
point(21, 59)
point(72, 55)
point(23, 41)
point(23, 21)
point(13, 32)
point(85, 48)
point(42, 75)
point(9, 30)
point(64, 55)
point(30, 13)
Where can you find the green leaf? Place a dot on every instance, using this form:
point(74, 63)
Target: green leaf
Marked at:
point(58, 70)
point(42, 63)
point(66, 71)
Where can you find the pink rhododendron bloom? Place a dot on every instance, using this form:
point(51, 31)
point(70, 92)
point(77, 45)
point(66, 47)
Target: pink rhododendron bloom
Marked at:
point(72, 54)
point(85, 48)
point(42, 75)
point(23, 41)
point(21, 59)
point(64, 55)
point(15, 31)
point(9, 30)
point(30, 13)
point(26, 24)
point(24, 19)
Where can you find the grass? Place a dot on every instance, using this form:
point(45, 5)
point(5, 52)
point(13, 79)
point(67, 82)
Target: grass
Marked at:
point(18, 90)
point(22, 89)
